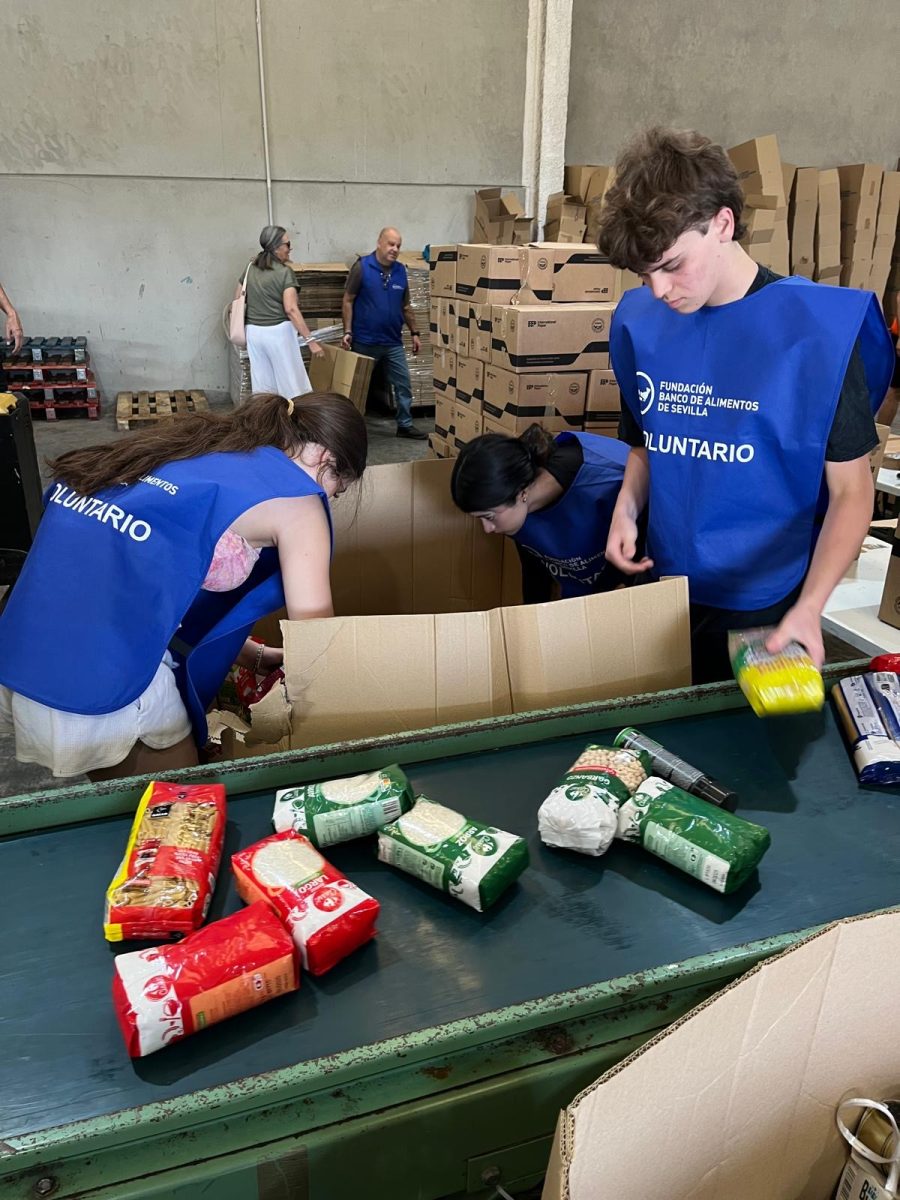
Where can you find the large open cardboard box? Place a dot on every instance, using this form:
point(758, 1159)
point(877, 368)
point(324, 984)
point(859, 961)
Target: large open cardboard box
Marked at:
point(431, 630)
point(736, 1101)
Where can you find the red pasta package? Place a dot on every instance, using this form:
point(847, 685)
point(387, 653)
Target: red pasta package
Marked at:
point(166, 993)
point(328, 916)
point(164, 883)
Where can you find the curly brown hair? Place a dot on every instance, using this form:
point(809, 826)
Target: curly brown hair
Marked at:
point(666, 183)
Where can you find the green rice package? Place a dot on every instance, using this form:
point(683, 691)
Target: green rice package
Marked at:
point(341, 809)
point(581, 813)
point(475, 863)
point(709, 843)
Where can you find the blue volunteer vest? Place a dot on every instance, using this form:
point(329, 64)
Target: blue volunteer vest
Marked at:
point(378, 308)
point(736, 403)
point(570, 536)
point(111, 578)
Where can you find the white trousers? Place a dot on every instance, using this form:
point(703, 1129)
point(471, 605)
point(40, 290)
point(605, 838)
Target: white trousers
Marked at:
point(275, 361)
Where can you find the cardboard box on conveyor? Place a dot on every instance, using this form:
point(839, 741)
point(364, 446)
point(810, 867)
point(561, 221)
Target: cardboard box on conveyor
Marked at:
point(430, 628)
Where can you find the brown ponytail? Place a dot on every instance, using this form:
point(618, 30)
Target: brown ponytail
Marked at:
point(265, 420)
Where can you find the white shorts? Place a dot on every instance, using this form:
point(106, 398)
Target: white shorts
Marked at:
point(276, 364)
point(72, 743)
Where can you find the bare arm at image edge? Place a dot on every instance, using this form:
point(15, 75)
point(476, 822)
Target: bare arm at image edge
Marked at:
point(13, 324)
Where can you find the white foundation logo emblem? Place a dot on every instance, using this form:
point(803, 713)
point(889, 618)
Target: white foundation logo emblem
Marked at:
point(646, 395)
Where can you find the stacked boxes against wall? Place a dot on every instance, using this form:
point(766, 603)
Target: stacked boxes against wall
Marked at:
point(500, 366)
point(837, 225)
point(765, 215)
point(420, 365)
point(320, 289)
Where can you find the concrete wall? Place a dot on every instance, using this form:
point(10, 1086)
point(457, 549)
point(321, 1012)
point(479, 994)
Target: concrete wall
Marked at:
point(133, 168)
point(821, 74)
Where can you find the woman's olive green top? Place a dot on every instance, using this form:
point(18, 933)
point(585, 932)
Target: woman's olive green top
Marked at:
point(265, 294)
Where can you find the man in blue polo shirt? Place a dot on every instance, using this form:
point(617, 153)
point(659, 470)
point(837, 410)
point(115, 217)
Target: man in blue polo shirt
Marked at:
point(374, 308)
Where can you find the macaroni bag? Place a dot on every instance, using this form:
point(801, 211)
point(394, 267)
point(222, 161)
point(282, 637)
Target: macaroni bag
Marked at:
point(164, 883)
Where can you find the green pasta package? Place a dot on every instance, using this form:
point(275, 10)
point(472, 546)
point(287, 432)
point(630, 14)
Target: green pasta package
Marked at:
point(713, 845)
point(475, 863)
point(342, 809)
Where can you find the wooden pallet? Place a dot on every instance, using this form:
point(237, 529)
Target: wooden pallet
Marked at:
point(134, 409)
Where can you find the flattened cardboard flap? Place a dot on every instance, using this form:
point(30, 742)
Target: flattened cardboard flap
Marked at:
point(364, 676)
point(737, 1100)
point(598, 647)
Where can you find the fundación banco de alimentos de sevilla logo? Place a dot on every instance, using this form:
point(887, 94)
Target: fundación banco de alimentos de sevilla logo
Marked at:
point(646, 391)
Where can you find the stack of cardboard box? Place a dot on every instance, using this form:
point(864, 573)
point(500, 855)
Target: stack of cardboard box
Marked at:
point(803, 206)
point(758, 164)
point(828, 228)
point(589, 183)
point(566, 219)
point(887, 242)
point(500, 219)
point(500, 366)
point(860, 193)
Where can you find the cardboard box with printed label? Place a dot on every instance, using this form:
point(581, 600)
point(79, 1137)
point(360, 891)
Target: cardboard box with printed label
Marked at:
point(434, 321)
point(828, 228)
point(469, 421)
point(604, 400)
point(421, 639)
point(495, 216)
point(463, 325)
point(480, 332)
point(444, 370)
point(442, 270)
point(804, 204)
point(487, 274)
point(552, 272)
point(514, 401)
point(438, 446)
point(558, 337)
point(444, 340)
point(444, 416)
point(469, 381)
point(745, 1088)
point(343, 372)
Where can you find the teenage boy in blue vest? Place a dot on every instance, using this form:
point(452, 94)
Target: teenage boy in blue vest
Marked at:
point(748, 403)
point(374, 308)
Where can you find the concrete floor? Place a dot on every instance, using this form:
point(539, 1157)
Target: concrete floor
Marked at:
point(56, 437)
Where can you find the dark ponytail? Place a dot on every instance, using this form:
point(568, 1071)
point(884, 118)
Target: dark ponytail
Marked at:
point(493, 469)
